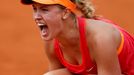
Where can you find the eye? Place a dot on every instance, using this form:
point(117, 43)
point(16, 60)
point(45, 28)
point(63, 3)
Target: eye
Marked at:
point(44, 9)
point(34, 8)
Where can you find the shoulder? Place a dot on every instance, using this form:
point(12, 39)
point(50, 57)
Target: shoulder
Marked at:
point(98, 25)
point(97, 29)
point(102, 35)
point(103, 40)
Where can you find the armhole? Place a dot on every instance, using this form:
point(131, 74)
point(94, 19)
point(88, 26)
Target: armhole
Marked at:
point(121, 43)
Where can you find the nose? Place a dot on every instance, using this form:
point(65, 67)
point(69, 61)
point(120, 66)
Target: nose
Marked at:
point(37, 15)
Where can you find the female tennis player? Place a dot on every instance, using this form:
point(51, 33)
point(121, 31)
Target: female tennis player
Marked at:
point(79, 43)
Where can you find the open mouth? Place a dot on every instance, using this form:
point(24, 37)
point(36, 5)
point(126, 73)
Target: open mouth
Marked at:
point(44, 29)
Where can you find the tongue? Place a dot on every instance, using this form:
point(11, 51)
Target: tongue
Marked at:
point(44, 31)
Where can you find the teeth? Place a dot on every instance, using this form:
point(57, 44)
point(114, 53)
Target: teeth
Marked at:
point(41, 24)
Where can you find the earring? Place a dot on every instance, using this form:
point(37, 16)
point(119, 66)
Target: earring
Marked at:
point(64, 17)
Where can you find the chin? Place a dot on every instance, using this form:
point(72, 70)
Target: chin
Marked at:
point(47, 39)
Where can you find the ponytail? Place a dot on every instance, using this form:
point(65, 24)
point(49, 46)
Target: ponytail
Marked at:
point(86, 7)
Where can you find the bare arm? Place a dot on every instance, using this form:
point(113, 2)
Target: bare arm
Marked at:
point(59, 72)
point(104, 51)
point(54, 63)
point(55, 67)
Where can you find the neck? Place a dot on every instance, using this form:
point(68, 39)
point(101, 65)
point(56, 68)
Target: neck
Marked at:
point(70, 35)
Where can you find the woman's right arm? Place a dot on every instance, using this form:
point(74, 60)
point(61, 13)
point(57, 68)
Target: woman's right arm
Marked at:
point(62, 71)
point(55, 67)
point(53, 61)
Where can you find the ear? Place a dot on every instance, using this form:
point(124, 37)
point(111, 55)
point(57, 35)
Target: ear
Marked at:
point(66, 14)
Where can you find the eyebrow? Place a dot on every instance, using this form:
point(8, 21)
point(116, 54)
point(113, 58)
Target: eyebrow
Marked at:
point(41, 6)
point(33, 5)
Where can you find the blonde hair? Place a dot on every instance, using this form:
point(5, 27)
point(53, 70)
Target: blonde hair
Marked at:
point(86, 7)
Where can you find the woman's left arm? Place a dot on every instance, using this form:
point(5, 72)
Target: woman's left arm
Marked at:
point(104, 52)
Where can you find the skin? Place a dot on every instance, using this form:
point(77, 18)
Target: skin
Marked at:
point(103, 40)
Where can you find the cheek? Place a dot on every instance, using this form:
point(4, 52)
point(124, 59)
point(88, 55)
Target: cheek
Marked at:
point(52, 18)
point(52, 15)
point(56, 24)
